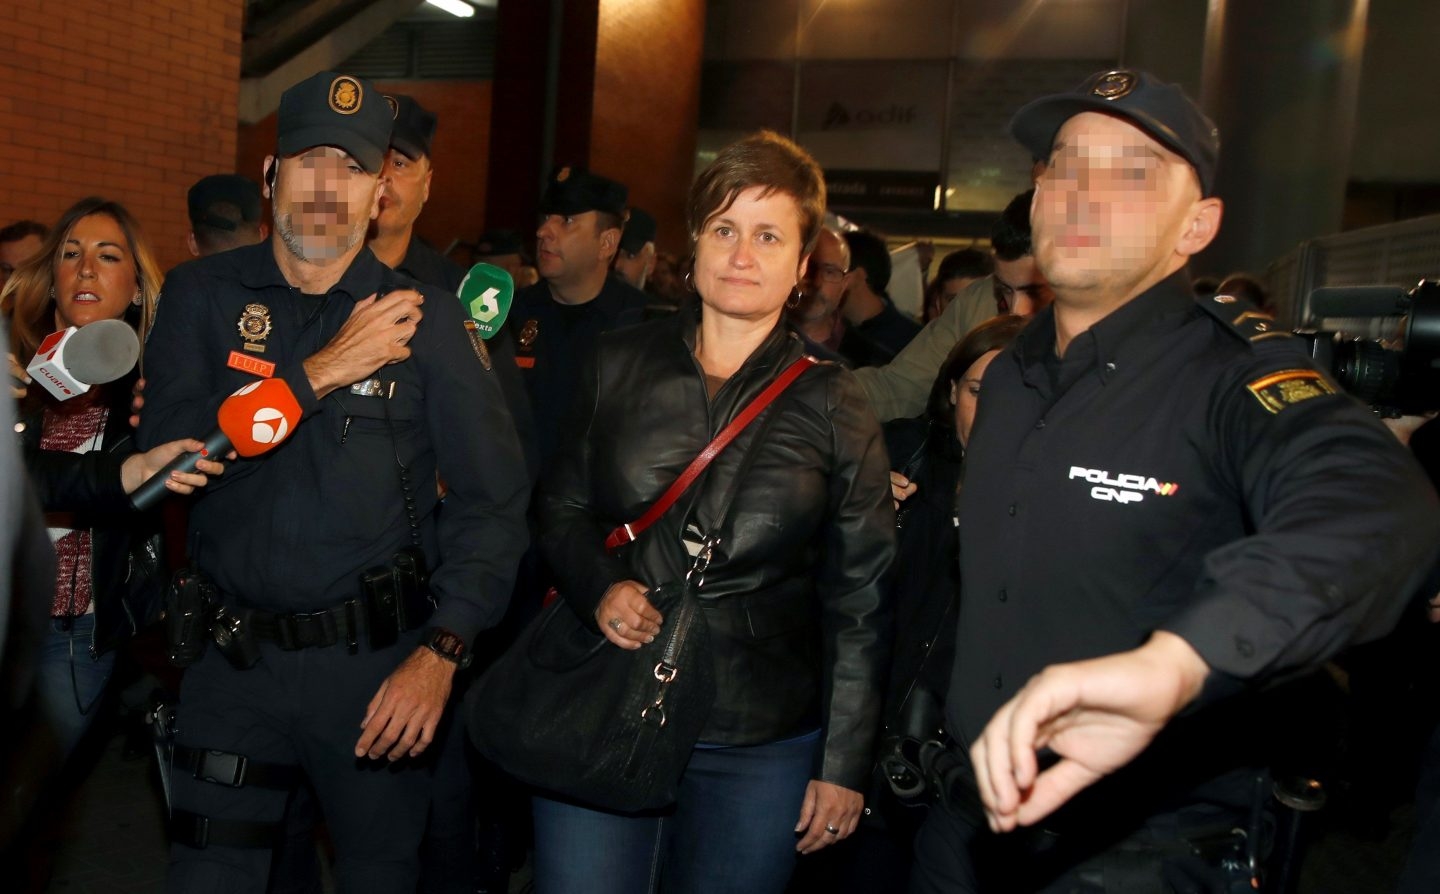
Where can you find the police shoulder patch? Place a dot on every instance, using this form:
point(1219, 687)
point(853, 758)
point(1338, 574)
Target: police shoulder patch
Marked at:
point(1287, 387)
point(1242, 318)
point(482, 353)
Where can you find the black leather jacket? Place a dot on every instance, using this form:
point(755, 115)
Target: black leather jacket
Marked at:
point(87, 487)
point(795, 592)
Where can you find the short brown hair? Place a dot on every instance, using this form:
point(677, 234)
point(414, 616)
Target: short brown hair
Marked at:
point(771, 162)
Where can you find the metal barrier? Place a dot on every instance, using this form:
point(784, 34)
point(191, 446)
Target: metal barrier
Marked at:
point(1398, 254)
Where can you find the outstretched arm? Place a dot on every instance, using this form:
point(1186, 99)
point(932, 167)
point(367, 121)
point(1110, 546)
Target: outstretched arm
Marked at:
point(1095, 716)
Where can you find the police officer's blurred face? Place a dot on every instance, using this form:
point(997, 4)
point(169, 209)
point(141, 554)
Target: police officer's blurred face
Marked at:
point(747, 257)
point(323, 202)
point(965, 395)
point(1115, 211)
point(16, 252)
point(407, 189)
point(1019, 287)
point(95, 275)
point(826, 279)
point(571, 247)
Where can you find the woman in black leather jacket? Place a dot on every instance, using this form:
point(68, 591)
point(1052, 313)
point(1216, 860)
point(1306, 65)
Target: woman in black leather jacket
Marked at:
point(93, 266)
point(794, 595)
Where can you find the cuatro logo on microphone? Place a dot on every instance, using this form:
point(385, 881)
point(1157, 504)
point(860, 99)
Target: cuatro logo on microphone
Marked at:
point(259, 415)
point(269, 426)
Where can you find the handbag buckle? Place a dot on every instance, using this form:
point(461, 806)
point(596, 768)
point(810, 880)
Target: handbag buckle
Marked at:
point(659, 712)
point(702, 562)
point(665, 673)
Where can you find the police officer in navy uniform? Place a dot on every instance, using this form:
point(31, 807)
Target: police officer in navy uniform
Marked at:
point(555, 321)
point(331, 679)
point(407, 173)
point(1165, 504)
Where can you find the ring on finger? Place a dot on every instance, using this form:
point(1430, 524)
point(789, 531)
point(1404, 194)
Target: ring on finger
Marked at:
point(616, 624)
point(832, 830)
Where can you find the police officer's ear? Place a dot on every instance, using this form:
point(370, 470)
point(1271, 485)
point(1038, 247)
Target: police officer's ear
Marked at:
point(1201, 227)
point(271, 170)
point(609, 243)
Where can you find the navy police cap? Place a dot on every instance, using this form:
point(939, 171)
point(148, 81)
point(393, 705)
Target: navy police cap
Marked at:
point(226, 189)
point(639, 229)
point(1159, 109)
point(576, 190)
point(414, 126)
point(339, 110)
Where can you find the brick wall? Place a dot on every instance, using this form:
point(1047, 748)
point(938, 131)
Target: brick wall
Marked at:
point(456, 209)
point(131, 101)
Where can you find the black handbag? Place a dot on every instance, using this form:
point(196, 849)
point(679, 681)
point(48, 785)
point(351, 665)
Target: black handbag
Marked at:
point(567, 711)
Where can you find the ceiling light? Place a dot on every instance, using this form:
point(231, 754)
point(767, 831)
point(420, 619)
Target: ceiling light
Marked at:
point(454, 7)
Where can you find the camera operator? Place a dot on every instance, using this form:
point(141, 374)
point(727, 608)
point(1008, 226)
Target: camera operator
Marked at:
point(1211, 514)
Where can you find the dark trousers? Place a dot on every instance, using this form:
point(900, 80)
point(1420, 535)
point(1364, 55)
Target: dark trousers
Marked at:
point(299, 708)
point(732, 831)
point(956, 853)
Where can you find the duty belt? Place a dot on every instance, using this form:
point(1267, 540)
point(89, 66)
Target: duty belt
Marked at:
point(302, 630)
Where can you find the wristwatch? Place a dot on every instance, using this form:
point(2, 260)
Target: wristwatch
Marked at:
point(447, 645)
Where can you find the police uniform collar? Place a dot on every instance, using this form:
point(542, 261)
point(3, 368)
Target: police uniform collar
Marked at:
point(1170, 298)
point(360, 279)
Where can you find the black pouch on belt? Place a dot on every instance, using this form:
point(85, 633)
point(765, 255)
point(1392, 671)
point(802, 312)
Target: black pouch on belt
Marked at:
point(189, 607)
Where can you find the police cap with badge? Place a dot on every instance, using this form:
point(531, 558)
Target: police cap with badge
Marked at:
point(1159, 109)
point(339, 110)
point(575, 190)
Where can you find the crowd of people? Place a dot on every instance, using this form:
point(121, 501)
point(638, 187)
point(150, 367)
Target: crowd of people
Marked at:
point(956, 644)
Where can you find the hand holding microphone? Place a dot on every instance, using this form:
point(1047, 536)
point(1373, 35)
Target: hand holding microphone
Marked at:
point(256, 418)
point(141, 467)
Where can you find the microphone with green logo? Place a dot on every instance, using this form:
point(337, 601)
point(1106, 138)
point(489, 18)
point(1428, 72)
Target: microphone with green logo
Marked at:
point(485, 293)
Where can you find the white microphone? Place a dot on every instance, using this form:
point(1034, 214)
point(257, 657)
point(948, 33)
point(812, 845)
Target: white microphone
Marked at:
point(68, 362)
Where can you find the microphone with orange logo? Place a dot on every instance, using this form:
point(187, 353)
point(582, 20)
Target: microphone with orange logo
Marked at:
point(254, 419)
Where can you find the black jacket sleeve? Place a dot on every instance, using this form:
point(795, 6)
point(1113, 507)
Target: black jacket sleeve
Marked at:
point(77, 482)
point(859, 545)
point(572, 528)
point(482, 529)
point(1344, 525)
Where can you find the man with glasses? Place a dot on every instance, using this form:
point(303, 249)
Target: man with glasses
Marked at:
point(874, 330)
point(816, 313)
point(898, 389)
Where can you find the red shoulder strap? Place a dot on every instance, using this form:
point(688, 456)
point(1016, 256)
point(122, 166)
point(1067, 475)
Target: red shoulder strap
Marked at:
point(628, 532)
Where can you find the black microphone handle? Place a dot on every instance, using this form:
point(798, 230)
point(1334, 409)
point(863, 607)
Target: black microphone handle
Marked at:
point(153, 489)
point(1358, 301)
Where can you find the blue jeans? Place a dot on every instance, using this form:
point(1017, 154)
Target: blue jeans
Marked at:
point(732, 829)
point(69, 682)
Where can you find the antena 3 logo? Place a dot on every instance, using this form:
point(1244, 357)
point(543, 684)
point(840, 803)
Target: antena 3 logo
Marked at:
point(1123, 488)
